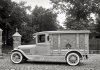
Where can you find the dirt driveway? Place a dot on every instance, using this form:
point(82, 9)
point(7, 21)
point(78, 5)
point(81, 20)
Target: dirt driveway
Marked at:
point(93, 63)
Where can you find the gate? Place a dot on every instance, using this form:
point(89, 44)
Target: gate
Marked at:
point(94, 46)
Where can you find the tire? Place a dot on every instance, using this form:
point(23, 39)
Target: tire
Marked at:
point(73, 59)
point(16, 57)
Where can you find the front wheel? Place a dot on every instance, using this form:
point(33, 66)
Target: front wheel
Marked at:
point(16, 57)
point(73, 59)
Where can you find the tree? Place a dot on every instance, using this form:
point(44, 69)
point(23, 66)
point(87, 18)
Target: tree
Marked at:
point(5, 10)
point(12, 16)
point(43, 19)
point(77, 12)
point(97, 26)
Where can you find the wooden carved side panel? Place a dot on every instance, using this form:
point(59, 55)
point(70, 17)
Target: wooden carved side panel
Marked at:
point(68, 39)
point(82, 41)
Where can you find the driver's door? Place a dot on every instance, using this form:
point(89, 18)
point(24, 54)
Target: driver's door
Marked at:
point(43, 47)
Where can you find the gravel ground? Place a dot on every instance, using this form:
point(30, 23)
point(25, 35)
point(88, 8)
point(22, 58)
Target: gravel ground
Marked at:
point(93, 63)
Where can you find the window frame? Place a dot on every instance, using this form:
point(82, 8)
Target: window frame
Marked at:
point(38, 39)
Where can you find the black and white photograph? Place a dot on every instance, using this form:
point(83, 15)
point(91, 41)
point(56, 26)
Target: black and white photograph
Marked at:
point(49, 34)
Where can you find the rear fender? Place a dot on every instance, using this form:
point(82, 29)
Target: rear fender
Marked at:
point(79, 53)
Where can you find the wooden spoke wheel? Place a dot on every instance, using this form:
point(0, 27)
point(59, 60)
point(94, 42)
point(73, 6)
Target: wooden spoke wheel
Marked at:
point(73, 59)
point(16, 57)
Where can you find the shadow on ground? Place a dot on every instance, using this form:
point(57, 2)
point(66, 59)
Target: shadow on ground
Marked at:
point(50, 63)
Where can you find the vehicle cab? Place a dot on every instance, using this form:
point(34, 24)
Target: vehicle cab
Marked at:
point(42, 43)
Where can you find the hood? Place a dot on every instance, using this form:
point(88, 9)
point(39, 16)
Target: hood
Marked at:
point(26, 46)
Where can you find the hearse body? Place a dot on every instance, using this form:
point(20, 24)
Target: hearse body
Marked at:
point(63, 46)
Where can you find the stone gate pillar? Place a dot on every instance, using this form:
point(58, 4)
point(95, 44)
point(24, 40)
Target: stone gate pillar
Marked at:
point(16, 39)
point(0, 42)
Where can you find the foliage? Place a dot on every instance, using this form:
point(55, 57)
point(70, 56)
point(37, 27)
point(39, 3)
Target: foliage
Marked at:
point(77, 12)
point(12, 16)
point(97, 27)
point(44, 19)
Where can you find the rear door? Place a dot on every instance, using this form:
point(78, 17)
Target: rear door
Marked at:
point(55, 48)
point(55, 42)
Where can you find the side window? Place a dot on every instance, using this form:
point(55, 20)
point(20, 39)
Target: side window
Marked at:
point(41, 38)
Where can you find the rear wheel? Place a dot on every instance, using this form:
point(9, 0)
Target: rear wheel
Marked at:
point(16, 57)
point(73, 59)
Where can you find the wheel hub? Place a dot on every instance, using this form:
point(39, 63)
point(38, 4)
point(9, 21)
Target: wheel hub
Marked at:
point(73, 59)
point(17, 57)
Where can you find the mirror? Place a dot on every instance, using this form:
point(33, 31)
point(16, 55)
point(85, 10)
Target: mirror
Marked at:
point(34, 36)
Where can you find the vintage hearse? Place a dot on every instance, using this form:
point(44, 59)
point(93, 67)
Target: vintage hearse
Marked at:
point(65, 46)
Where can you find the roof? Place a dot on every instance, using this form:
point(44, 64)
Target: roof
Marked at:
point(67, 31)
point(17, 34)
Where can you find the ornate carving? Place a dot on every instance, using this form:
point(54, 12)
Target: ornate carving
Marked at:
point(68, 46)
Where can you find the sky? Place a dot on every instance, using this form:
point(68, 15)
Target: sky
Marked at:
point(33, 3)
point(44, 3)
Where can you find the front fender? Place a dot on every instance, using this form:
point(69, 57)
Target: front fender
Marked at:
point(19, 50)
